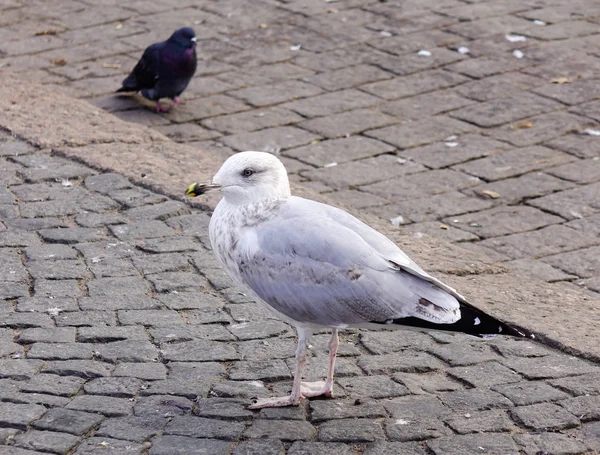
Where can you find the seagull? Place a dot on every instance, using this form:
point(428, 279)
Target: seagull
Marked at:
point(318, 266)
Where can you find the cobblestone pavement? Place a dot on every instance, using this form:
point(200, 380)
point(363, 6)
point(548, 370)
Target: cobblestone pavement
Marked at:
point(120, 334)
point(460, 119)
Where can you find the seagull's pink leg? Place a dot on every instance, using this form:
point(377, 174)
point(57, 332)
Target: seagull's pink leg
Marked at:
point(313, 389)
point(294, 398)
point(161, 108)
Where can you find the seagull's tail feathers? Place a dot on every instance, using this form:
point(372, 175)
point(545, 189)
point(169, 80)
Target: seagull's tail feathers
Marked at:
point(472, 321)
point(130, 84)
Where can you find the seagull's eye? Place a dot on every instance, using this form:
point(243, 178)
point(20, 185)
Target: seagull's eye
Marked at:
point(247, 172)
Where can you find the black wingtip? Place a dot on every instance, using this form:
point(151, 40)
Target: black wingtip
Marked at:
point(472, 321)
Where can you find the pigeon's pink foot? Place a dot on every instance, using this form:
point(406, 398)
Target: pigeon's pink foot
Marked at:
point(177, 100)
point(315, 389)
point(161, 108)
point(276, 402)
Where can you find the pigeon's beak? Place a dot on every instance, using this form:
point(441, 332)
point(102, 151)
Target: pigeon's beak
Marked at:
point(196, 189)
point(194, 40)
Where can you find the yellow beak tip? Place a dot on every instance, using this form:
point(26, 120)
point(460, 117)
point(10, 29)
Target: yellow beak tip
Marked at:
point(191, 190)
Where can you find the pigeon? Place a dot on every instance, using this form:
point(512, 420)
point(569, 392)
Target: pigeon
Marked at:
point(317, 266)
point(165, 69)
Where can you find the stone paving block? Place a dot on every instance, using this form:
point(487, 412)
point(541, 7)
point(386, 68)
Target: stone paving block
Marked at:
point(260, 447)
point(106, 405)
point(485, 374)
point(544, 417)
point(575, 92)
point(109, 447)
point(18, 415)
point(161, 211)
point(149, 317)
point(58, 269)
point(415, 430)
point(48, 335)
point(427, 382)
point(425, 105)
point(408, 362)
point(8, 450)
point(482, 422)
point(19, 239)
point(377, 342)
point(483, 67)
point(7, 435)
point(23, 320)
point(570, 204)
point(412, 85)
point(19, 369)
point(256, 119)
point(432, 207)
point(57, 288)
point(583, 171)
point(141, 230)
point(353, 431)
point(474, 400)
point(295, 413)
point(504, 110)
point(199, 427)
point(416, 407)
point(161, 405)
point(550, 367)
point(395, 448)
point(53, 385)
point(144, 371)
point(240, 389)
point(348, 123)
point(95, 220)
point(591, 110)
point(135, 197)
point(339, 150)
point(412, 63)
point(585, 407)
point(82, 368)
point(276, 93)
point(500, 221)
point(187, 132)
point(347, 77)
point(496, 444)
point(225, 409)
point(441, 230)
point(137, 429)
point(52, 251)
point(49, 441)
point(363, 172)
point(169, 245)
point(332, 103)
point(127, 351)
point(543, 128)
point(497, 86)
point(182, 445)
point(199, 351)
point(48, 208)
point(85, 319)
point(514, 190)
point(513, 163)
point(286, 430)
point(201, 108)
point(421, 184)
point(583, 263)
point(270, 140)
point(260, 370)
point(178, 282)
point(527, 393)
point(372, 387)
point(554, 443)
point(543, 242)
point(586, 384)
point(417, 133)
point(117, 286)
point(538, 269)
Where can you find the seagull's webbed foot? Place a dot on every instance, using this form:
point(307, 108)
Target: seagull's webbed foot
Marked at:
point(276, 402)
point(315, 389)
point(160, 108)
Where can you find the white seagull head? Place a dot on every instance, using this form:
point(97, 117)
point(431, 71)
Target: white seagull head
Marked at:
point(249, 177)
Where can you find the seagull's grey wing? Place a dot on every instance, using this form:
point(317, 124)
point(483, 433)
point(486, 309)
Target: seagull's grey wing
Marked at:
point(317, 271)
point(375, 239)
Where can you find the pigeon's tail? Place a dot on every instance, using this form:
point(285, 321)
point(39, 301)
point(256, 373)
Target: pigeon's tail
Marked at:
point(472, 321)
point(130, 84)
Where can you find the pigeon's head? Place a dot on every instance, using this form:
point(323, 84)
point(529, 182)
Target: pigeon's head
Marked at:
point(248, 177)
point(184, 37)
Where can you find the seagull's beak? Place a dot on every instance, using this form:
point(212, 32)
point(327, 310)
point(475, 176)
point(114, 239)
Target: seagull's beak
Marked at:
point(196, 189)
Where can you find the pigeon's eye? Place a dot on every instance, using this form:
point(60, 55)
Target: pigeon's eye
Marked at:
point(247, 172)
